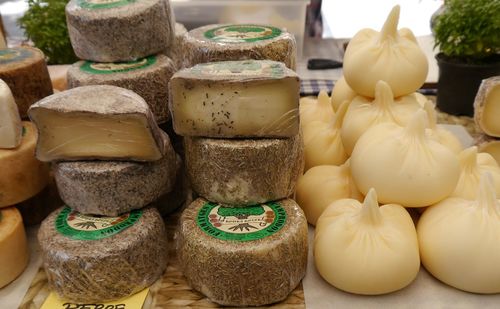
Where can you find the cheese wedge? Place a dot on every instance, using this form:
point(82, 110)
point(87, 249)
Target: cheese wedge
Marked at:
point(10, 121)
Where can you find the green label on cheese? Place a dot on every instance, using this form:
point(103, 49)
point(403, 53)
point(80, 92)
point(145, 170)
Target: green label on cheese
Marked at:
point(243, 68)
point(78, 226)
point(117, 67)
point(10, 55)
point(103, 4)
point(241, 224)
point(242, 33)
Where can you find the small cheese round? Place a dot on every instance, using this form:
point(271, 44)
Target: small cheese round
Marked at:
point(244, 172)
point(119, 30)
point(99, 259)
point(22, 175)
point(13, 245)
point(248, 256)
point(110, 188)
point(148, 77)
point(239, 42)
point(25, 71)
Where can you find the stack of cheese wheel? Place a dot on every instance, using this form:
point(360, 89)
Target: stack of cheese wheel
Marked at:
point(244, 153)
point(111, 162)
point(486, 115)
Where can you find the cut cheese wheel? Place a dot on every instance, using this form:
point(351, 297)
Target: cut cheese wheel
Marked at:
point(11, 128)
point(490, 145)
point(96, 122)
point(119, 30)
point(110, 188)
point(239, 42)
point(13, 245)
point(249, 98)
point(22, 175)
point(148, 77)
point(487, 106)
point(243, 256)
point(25, 71)
point(99, 259)
point(244, 172)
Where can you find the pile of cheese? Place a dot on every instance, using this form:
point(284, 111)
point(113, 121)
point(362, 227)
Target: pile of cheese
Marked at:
point(376, 141)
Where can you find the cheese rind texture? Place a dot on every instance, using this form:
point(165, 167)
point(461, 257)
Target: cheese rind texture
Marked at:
point(490, 145)
point(108, 268)
point(22, 176)
point(96, 122)
point(230, 99)
point(487, 106)
point(176, 51)
point(13, 245)
point(25, 72)
point(148, 77)
point(98, 34)
point(259, 271)
point(11, 128)
point(244, 172)
point(111, 188)
point(220, 42)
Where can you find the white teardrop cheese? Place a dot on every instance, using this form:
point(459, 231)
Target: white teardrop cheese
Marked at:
point(341, 92)
point(312, 109)
point(489, 145)
point(10, 122)
point(443, 136)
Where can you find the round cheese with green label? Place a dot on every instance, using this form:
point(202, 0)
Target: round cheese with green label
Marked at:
point(148, 77)
point(249, 256)
point(98, 259)
point(221, 42)
point(24, 70)
point(119, 30)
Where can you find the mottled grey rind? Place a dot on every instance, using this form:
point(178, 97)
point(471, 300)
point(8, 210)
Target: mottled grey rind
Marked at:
point(176, 51)
point(151, 83)
point(251, 273)
point(111, 188)
point(246, 171)
point(106, 269)
point(198, 49)
point(87, 100)
point(487, 86)
point(122, 33)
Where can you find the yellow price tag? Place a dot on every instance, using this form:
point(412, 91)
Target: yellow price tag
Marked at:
point(132, 302)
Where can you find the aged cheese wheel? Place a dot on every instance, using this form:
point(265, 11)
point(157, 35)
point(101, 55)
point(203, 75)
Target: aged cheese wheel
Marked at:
point(487, 106)
point(99, 259)
point(11, 128)
point(243, 256)
point(176, 51)
point(119, 30)
point(22, 175)
point(245, 171)
point(96, 122)
point(148, 77)
point(110, 188)
point(58, 76)
point(25, 71)
point(179, 195)
point(13, 245)
point(239, 42)
point(490, 145)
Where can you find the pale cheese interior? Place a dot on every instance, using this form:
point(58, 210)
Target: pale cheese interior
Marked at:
point(493, 149)
point(86, 135)
point(491, 112)
point(10, 121)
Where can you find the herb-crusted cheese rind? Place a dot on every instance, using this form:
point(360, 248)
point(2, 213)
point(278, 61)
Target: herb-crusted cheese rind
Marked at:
point(239, 42)
point(244, 172)
point(110, 188)
point(231, 99)
point(176, 51)
point(487, 106)
point(110, 267)
point(110, 31)
point(25, 72)
point(96, 122)
point(148, 77)
point(243, 256)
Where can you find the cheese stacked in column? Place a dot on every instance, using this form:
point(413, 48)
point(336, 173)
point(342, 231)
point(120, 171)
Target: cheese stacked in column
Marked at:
point(486, 115)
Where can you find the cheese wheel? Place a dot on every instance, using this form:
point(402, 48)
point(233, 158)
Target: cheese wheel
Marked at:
point(239, 42)
point(176, 51)
point(13, 245)
point(99, 259)
point(245, 171)
point(490, 145)
point(148, 77)
point(119, 30)
point(248, 256)
point(22, 175)
point(25, 71)
point(58, 73)
point(11, 129)
point(110, 188)
point(487, 106)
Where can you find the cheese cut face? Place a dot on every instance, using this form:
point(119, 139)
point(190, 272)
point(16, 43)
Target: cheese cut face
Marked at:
point(10, 122)
point(96, 122)
point(487, 106)
point(251, 98)
point(13, 245)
